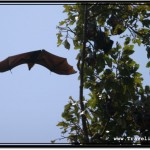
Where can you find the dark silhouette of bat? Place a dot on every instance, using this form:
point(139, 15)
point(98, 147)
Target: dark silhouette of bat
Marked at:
point(52, 62)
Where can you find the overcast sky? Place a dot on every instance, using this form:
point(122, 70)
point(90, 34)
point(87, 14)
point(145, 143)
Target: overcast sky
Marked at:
point(32, 101)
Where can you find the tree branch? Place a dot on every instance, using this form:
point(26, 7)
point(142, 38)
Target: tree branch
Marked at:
point(83, 117)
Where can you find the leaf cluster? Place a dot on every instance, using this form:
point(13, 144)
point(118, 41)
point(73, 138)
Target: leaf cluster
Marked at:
point(118, 104)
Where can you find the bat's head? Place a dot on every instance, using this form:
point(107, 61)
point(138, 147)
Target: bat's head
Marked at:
point(68, 71)
point(71, 71)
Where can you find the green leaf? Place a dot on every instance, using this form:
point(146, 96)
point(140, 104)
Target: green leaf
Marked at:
point(137, 40)
point(148, 51)
point(72, 22)
point(147, 89)
point(62, 22)
point(127, 41)
point(93, 100)
point(64, 124)
point(128, 50)
point(67, 8)
point(66, 44)
point(137, 74)
point(136, 67)
point(74, 128)
point(146, 23)
point(128, 47)
point(108, 61)
point(148, 65)
point(119, 46)
point(137, 80)
point(68, 106)
point(88, 70)
point(59, 40)
point(101, 61)
point(88, 116)
point(77, 45)
point(129, 8)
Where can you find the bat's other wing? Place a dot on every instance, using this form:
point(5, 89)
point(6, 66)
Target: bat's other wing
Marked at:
point(55, 63)
point(24, 58)
point(4, 65)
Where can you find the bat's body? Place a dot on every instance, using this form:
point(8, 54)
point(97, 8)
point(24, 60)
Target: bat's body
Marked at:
point(52, 62)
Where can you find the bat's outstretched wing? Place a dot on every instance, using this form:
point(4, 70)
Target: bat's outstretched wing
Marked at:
point(55, 63)
point(13, 61)
point(52, 62)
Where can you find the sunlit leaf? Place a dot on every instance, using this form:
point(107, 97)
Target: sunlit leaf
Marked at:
point(66, 44)
point(62, 22)
point(128, 50)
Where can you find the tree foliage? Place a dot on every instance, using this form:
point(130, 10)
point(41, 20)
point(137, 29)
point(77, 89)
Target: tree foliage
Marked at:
point(118, 104)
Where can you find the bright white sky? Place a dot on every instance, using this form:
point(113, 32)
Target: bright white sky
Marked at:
point(32, 101)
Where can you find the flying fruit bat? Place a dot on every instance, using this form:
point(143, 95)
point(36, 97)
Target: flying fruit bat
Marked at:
point(52, 62)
